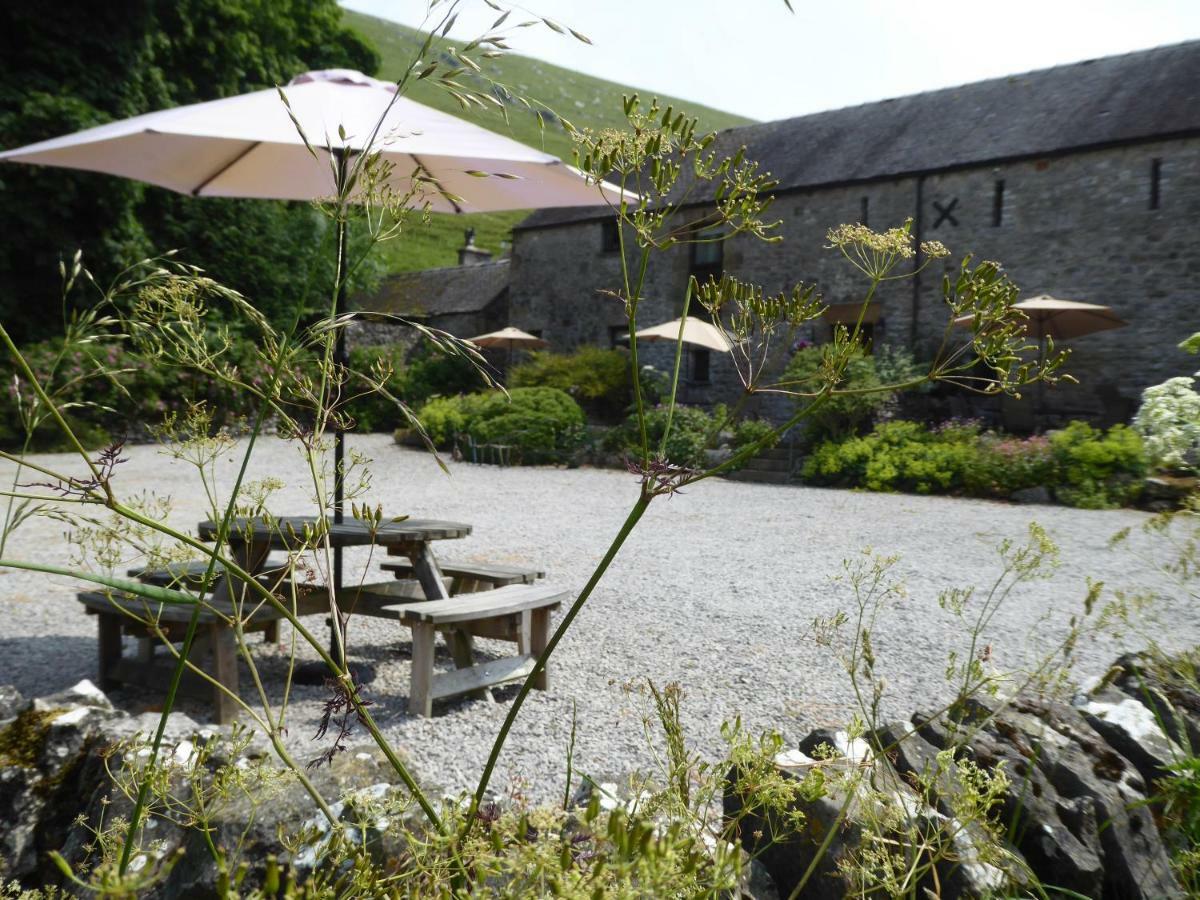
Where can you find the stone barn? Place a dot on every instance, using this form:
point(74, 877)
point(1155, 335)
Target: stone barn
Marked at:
point(1083, 180)
point(465, 300)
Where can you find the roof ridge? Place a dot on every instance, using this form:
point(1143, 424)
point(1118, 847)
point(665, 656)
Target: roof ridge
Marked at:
point(504, 260)
point(954, 88)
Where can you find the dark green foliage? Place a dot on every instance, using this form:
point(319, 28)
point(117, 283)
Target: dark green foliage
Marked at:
point(374, 411)
point(544, 425)
point(433, 374)
point(598, 379)
point(84, 64)
point(691, 431)
point(1098, 470)
point(137, 396)
point(1083, 466)
point(541, 425)
point(837, 417)
point(751, 431)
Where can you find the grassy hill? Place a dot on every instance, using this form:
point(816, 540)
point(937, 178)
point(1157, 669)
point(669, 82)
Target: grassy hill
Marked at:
point(584, 100)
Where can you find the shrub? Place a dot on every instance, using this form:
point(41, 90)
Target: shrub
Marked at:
point(897, 456)
point(375, 412)
point(445, 418)
point(136, 396)
point(690, 432)
point(542, 424)
point(1097, 470)
point(841, 416)
point(1085, 467)
point(751, 431)
point(599, 380)
point(434, 374)
point(1005, 464)
point(1169, 423)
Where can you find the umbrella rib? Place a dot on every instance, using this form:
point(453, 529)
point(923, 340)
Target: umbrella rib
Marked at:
point(445, 193)
point(225, 168)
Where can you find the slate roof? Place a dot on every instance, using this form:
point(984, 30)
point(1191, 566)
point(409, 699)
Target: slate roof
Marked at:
point(1101, 102)
point(439, 292)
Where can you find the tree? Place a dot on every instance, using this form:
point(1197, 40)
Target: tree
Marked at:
point(90, 63)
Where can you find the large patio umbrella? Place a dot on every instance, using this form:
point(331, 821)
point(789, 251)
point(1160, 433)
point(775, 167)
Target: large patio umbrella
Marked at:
point(249, 146)
point(1059, 320)
point(509, 338)
point(695, 331)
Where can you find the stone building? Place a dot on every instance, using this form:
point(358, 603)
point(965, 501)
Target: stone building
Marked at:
point(1083, 180)
point(468, 299)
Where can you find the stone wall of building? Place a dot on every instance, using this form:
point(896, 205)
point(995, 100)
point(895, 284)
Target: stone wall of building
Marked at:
point(1078, 226)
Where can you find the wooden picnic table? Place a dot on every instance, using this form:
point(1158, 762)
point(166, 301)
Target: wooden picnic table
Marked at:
point(513, 609)
point(253, 539)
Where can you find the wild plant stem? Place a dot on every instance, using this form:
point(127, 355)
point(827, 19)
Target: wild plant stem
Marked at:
point(190, 637)
point(514, 710)
point(687, 301)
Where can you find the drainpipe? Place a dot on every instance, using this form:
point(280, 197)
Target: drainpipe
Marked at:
point(916, 281)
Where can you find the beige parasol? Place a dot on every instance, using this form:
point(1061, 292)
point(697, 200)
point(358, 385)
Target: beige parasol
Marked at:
point(509, 337)
point(695, 331)
point(1061, 320)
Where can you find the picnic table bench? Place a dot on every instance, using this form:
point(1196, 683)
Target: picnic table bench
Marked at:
point(469, 577)
point(462, 601)
point(524, 608)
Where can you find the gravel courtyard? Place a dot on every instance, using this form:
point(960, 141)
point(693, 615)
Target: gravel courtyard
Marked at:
point(716, 590)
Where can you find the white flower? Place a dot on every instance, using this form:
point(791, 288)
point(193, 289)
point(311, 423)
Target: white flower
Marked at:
point(1169, 422)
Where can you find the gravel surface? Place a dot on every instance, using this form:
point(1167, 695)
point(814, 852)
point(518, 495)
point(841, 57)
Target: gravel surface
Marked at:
point(716, 590)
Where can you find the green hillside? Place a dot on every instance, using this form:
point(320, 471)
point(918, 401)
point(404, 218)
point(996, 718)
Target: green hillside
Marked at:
point(585, 101)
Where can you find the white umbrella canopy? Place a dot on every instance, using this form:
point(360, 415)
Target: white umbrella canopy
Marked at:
point(509, 337)
point(695, 331)
point(1061, 320)
point(248, 146)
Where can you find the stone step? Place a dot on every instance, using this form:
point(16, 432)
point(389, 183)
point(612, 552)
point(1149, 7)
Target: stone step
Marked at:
point(782, 453)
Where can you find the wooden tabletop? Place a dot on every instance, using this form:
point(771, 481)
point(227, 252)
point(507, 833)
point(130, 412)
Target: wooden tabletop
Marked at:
point(281, 532)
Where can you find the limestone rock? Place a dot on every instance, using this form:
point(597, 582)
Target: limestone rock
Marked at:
point(11, 703)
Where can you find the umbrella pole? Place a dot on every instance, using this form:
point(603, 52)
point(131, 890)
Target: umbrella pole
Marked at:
point(341, 359)
point(1040, 406)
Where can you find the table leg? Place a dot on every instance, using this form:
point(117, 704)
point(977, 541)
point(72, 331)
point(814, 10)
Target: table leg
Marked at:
point(427, 570)
point(110, 648)
point(540, 628)
point(420, 697)
point(524, 630)
point(433, 583)
point(250, 556)
point(225, 670)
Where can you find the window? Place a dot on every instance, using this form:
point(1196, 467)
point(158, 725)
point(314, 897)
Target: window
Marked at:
point(699, 361)
point(708, 256)
point(864, 211)
point(610, 236)
point(1155, 181)
point(998, 203)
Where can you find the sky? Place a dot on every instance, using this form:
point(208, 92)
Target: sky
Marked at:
point(754, 58)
